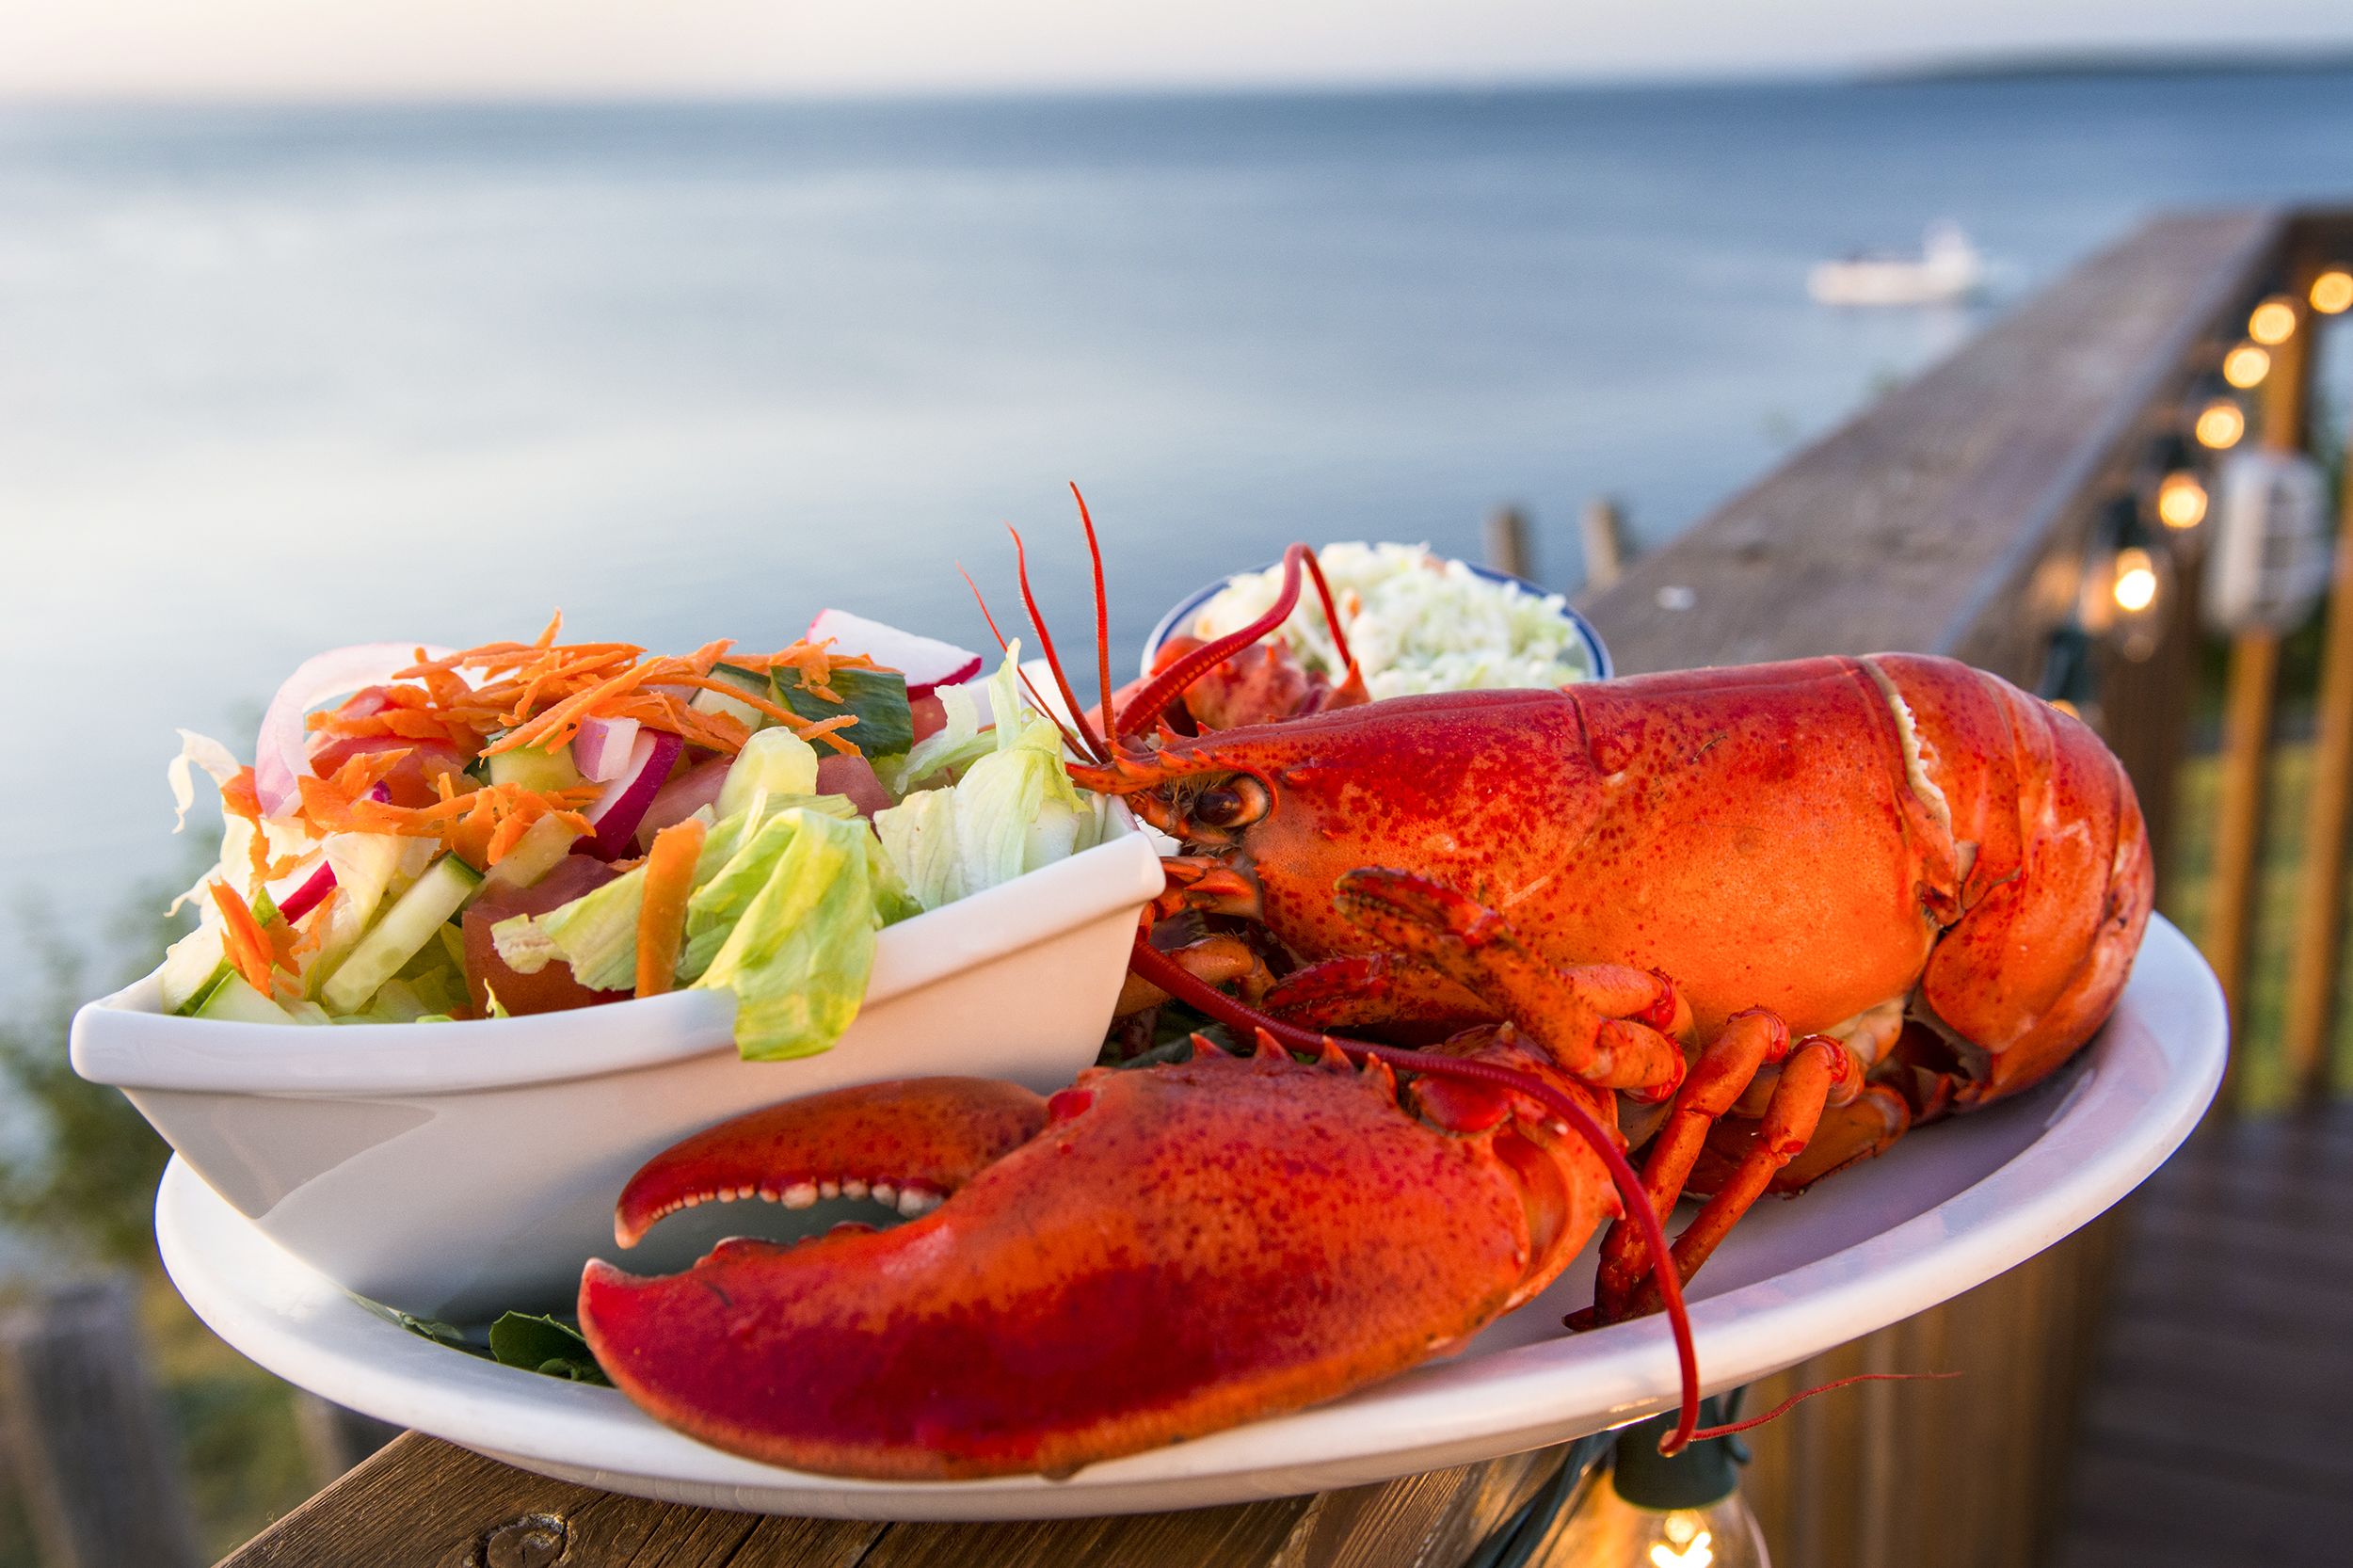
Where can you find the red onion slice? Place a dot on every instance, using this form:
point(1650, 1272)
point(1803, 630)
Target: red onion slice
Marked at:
point(624, 803)
point(601, 749)
point(684, 796)
point(281, 755)
point(306, 898)
point(926, 662)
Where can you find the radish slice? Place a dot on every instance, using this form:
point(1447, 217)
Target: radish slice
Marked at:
point(306, 898)
point(927, 662)
point(625, 801)
point(601, 750)
point(684, 796)
point(280, 756)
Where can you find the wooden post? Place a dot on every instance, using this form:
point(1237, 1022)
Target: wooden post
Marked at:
point(2238, 828)
point(2246, 717)
point(99, 1474)
point(1605, 543)
point(2320, 897)
point(1507, 543)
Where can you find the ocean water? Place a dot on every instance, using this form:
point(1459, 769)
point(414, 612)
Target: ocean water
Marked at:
point(277, 380)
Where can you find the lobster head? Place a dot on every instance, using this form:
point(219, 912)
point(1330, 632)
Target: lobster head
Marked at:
point(1463, 786)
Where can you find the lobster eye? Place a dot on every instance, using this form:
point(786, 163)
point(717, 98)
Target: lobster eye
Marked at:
point(1237, 803)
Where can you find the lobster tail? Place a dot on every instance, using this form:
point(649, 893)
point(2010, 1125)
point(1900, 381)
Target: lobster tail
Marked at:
point(2057, 880)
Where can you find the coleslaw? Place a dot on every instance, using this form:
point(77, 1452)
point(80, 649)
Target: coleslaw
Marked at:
point(1416, 621)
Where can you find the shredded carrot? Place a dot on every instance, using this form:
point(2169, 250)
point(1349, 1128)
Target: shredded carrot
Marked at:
point(662, 918)
point(242, 939)
point(311, 939)
point(503, 696)
point(239, 797)
point(823, 730)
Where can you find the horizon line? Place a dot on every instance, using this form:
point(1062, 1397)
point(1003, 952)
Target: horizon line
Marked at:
point(2120, 63)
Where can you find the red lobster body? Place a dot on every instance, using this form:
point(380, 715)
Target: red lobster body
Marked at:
point(1818, 838)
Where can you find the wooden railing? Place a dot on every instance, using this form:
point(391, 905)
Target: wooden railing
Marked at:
point(1959, 515)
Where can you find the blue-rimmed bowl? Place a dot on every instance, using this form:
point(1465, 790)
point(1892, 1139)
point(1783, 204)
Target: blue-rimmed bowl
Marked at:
point(1192, 604)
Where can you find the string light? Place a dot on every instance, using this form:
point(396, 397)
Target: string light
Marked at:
point(2332, 292)
point(2246, 366)
point(2180, 500)
point(2135, 585)
point(1649, 1511)
point(2221, 424)
point(2178, 497)
point(2273, 322)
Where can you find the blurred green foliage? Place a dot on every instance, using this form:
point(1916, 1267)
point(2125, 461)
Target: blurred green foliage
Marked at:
point(77, 1177)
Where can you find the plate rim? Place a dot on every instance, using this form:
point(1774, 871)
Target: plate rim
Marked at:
point(1745, 1333)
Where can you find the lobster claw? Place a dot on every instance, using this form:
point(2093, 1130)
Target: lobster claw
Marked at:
point(905, 1145)
point(1151, 1255)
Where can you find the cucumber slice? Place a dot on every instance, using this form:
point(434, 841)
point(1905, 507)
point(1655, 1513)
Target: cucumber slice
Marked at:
point(719, 702)
point(406, 927)
point(540, 851)
point(191, 966)
point(536, 768)
point(885, 724)
point(234, 1002)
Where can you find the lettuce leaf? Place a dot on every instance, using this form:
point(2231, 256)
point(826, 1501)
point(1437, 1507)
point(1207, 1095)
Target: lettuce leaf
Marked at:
point(961, 741)
point(596, 934)
point(1014, 809)
point(799, 954)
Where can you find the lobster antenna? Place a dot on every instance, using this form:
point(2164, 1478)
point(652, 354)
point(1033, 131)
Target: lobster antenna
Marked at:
point(1166, 973)
point(1331, 613)
point(1095, 748)
point(1102, 618)
point(1019, 674)
point(1163, 689)
point(1708, 1434)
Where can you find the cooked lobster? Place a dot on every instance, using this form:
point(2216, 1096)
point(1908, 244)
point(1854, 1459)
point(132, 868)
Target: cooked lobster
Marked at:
point(1763, 918)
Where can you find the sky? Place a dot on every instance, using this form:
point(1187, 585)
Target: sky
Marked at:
point(433, 49)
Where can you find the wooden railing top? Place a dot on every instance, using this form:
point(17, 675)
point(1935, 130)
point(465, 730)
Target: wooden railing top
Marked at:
point(1918, 523)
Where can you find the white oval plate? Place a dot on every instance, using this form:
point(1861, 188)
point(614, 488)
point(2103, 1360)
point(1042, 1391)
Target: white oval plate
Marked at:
point(1944, 1210)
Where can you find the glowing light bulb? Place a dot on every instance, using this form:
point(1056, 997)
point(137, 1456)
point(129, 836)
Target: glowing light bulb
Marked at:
point(2221, 424)
point(1608, 1531)
point(2273, 322)
point(2246, 366)
point(2333, 291)
point(1689, 1542)
point(2135, 585)
point(2180, 500)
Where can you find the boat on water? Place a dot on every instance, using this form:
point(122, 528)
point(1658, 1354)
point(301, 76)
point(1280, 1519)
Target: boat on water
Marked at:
point(1948, 270)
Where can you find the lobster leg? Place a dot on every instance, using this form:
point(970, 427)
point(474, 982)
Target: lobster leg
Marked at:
point(1862, 1127)
point(1399, 995)
point(1806, 1080)
point(1208, 885)
point(1601, 1022)
point(1747, 1042)
point(1219, 959)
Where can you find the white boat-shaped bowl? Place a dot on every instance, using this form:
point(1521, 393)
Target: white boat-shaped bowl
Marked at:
point(456, 1169)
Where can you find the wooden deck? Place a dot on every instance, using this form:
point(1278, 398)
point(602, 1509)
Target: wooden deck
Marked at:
point(2217, 1428)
